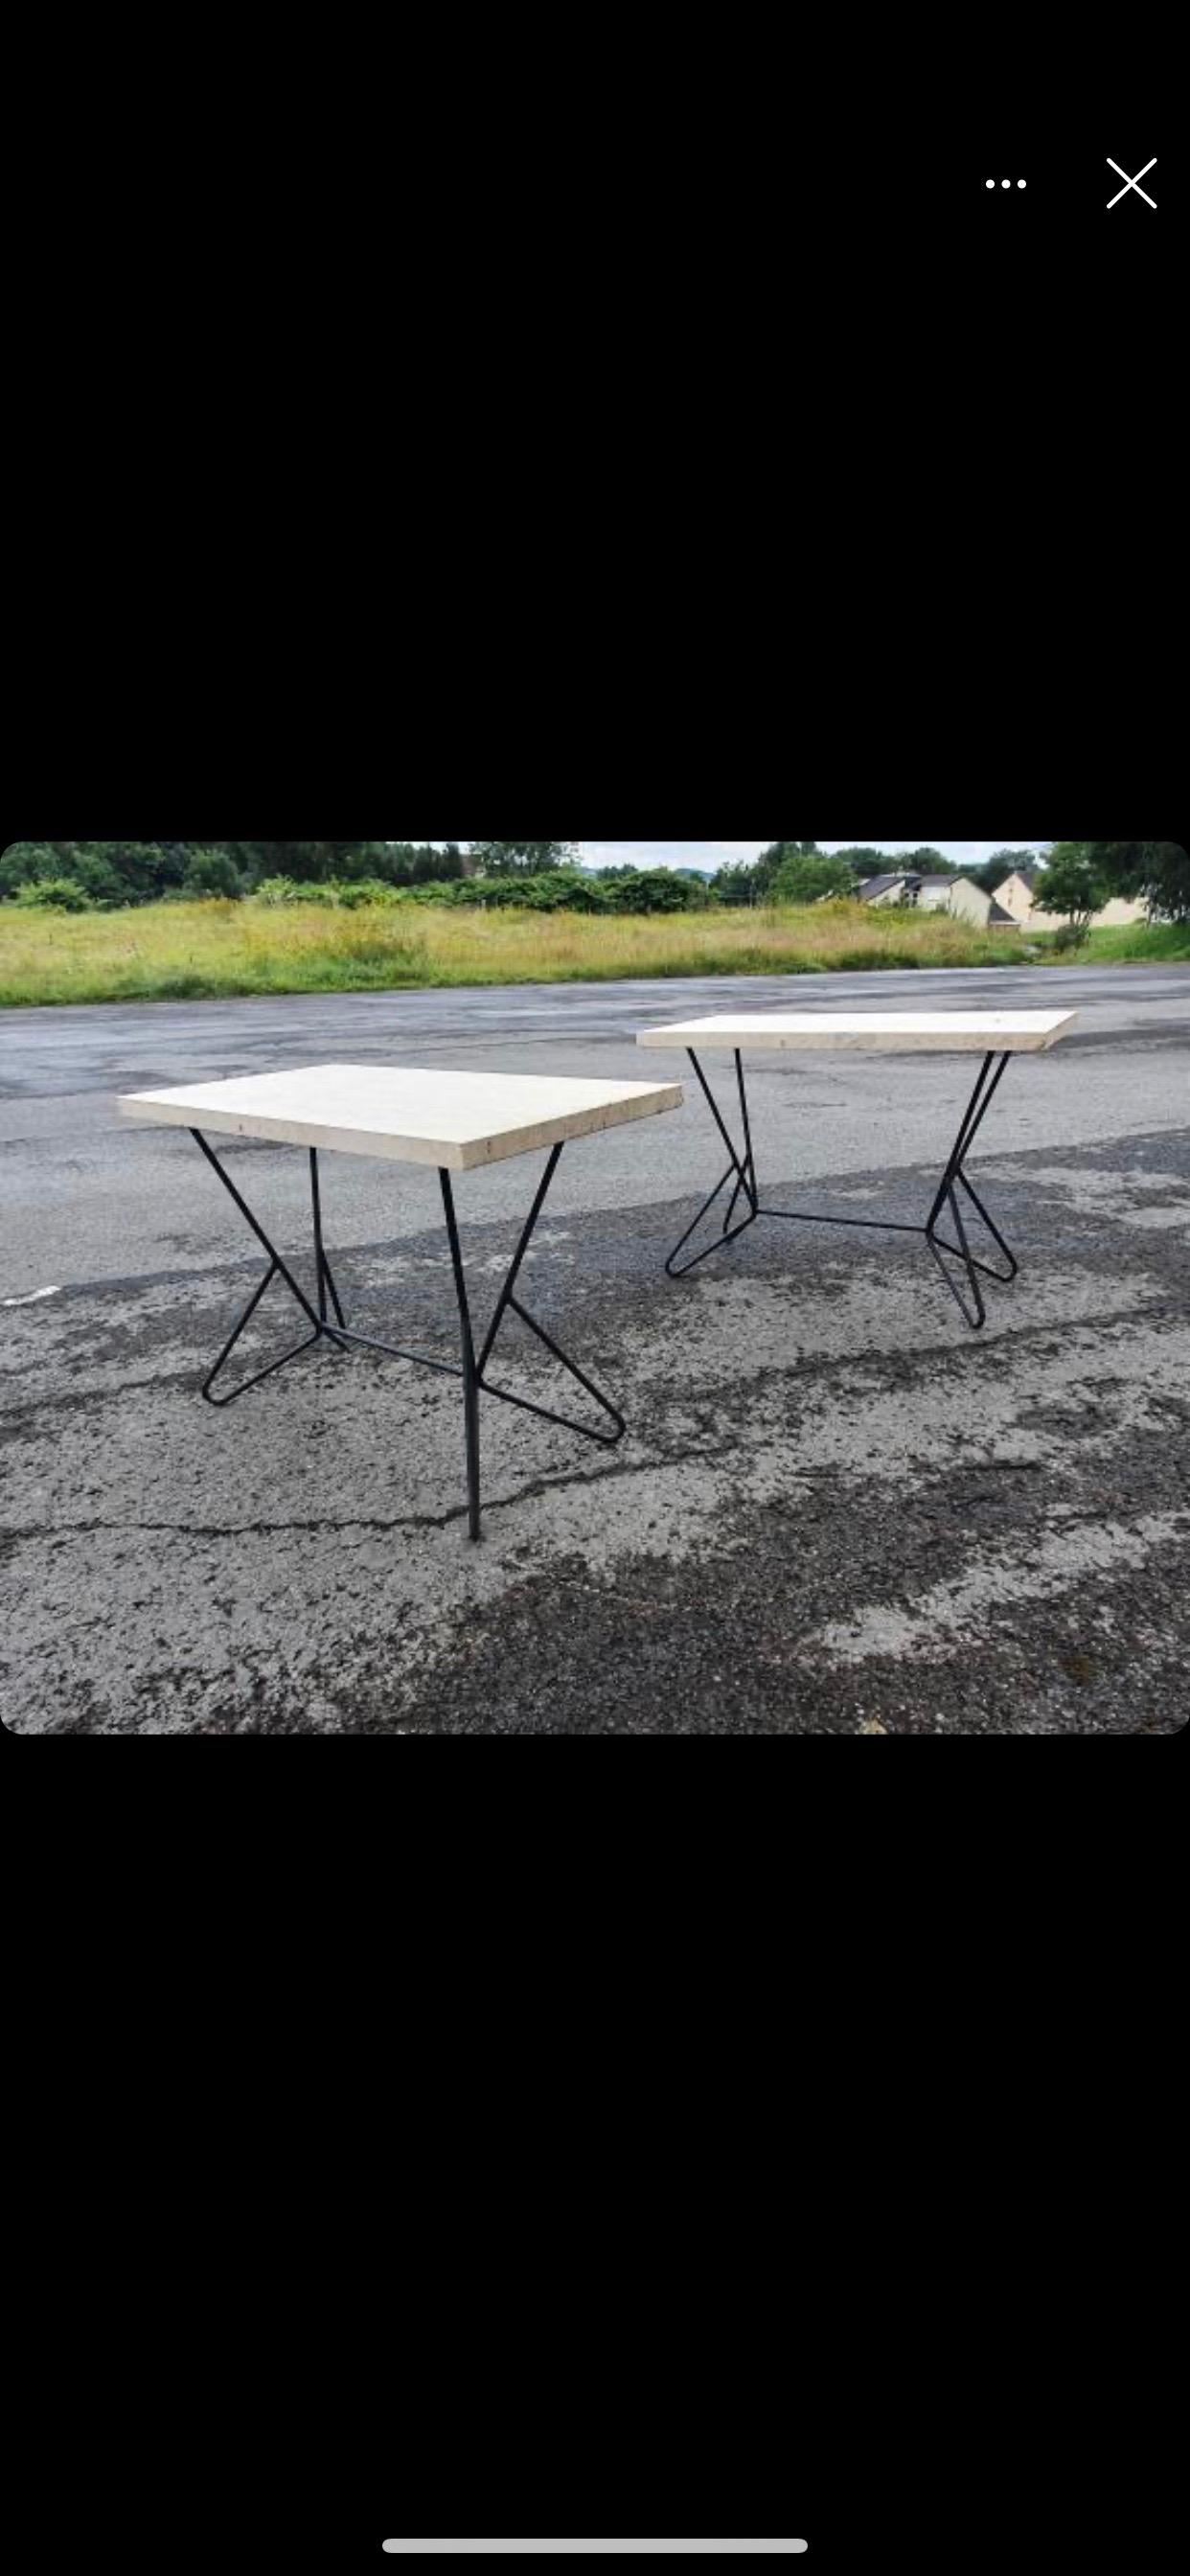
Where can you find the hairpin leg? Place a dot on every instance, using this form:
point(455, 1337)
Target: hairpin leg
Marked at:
point(955, 1179)
point(472, 1367)
point(742, 1167)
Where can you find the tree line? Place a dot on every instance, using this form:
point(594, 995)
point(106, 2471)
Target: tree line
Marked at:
point(1079, 876)
point(78, 874)
point(124, 872)
point(1075, 877)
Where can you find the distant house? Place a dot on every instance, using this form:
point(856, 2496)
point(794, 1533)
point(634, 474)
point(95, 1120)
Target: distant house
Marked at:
point(892, 888)
point(958, 895)
point(1023, 895)
point(1016, 893)
point(971, 902)
point(934, 893)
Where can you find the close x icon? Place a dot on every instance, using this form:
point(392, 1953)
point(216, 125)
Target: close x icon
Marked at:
point(1131, 184)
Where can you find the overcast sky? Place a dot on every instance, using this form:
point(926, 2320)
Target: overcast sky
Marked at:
point(722, 854)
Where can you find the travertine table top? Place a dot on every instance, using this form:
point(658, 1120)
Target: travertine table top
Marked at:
point(454, 1120)
point(937, 1032)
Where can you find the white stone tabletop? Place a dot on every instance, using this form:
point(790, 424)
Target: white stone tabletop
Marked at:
point(457, 1121)
point(939, 1032)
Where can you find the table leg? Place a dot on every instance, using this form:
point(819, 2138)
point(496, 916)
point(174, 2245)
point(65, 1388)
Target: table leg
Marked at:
point(509, 1303)
point(473, 1367)
point(325, 1278)
point(277, 1269)
point(745, 1179)
point(470, 1372)
point(954, 1179)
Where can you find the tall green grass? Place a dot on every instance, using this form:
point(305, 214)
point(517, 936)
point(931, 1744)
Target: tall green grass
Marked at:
point(1141, 943)
point(191, 951)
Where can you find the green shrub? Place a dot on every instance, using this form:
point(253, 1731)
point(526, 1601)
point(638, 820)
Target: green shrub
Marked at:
point(98, 878)
point(288, 890)
point(55, 894)
point(1073, 934)
point(212, 872)
point(654, 890)
point(24, 863)
point(554, 890)
point(809, 880)
point(574, 894)
point(557, 890)
point(144, 869)
point(365, 890)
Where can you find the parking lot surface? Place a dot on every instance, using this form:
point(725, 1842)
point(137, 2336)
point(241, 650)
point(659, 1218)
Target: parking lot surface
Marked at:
point(837, 1510)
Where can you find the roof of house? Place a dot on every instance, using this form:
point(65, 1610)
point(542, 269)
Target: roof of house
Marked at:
point(997, 914)
point(873, 886)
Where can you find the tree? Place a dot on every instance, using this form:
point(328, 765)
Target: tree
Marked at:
point(773, 859)
point(654, 890)
point(107, 871)
point(1075, 886)
point(862, 862)
point(126, 872)
point(1157, 870)
point(520, 858)
point(307, 862)
point(97, 877)
point(143, 868)
point(25, 863)
point(806, 879)
point(211, 872)
point(736, 884)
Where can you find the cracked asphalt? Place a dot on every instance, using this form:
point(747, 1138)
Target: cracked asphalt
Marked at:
point(837, 1511)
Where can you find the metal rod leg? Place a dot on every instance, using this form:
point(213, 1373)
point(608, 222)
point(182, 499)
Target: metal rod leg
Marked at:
point(1004, 1276)
point(976, 1111)
point(978, 1319)
point(745, 1180)
point(325, 1279)
point(470, 1372)
point(506, 1298)
point(955, 1179)
point(277, 1269)
point(508, 1303)
point(751, 1184)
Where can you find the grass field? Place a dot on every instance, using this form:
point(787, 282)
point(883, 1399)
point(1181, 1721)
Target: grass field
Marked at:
point(185, 951)
point(1140, 944)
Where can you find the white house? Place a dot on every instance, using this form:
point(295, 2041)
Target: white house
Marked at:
point(1022, 894)
point(957, 895)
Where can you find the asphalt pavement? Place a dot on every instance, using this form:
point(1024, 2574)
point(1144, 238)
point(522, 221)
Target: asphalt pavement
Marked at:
point(836, 1511)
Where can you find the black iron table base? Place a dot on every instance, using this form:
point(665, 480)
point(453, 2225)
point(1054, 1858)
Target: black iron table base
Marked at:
point(473, 1366)
point(956, 1260)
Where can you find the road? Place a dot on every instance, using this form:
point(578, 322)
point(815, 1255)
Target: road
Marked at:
point(837, 1511)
